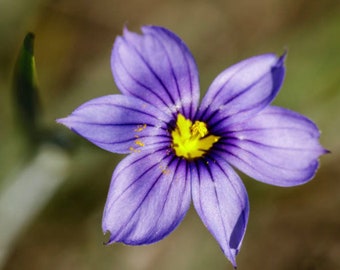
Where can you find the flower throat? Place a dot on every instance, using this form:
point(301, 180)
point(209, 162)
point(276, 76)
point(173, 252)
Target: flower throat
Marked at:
point(191, 140)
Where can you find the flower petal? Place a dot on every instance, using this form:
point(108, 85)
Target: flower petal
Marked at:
point(119, 123)
point(221, 201)
point(158, 68)
point(242, 90)
point(148, 197)
point(277, 146)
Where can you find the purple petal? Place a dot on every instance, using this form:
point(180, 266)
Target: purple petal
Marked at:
point(277, 146)
point(222, 203)
point(148, 197)
point(119, 123)
point(242, 90)
point(158, 68)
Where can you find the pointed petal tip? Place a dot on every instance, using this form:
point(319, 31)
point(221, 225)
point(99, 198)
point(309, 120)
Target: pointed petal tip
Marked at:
point(326, 151)
point(126, 30)
point(233, 251)
point(64, 121)
point(283, 57)
point(222, 203)
point(235, 266)
point(280, 60)
point(61, 120)
point(233, 259)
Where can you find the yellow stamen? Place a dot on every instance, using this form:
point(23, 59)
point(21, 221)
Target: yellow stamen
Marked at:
point(139, 143)
point(132, 149)
point(199, 128)
point(191, 140)
point(140, 128)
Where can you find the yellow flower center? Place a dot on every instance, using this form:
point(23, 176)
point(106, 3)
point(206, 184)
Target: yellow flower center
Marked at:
point(191, 140)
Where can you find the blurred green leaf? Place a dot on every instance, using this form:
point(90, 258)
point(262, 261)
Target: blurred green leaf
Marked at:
point(25, 92)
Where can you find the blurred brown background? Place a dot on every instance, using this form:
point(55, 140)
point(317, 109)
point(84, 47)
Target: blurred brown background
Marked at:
point(289, 228)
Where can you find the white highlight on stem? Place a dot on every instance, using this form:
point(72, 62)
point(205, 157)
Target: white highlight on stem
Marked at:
point(27, 192)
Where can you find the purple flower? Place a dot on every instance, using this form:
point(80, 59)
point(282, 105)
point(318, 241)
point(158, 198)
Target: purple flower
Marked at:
point(181, 151)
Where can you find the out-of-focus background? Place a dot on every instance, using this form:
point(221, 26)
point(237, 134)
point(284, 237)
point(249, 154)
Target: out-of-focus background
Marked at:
point(289, 228)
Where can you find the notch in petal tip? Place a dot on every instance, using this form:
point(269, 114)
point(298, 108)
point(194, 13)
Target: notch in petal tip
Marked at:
point(110, 239)
point(107, 242)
